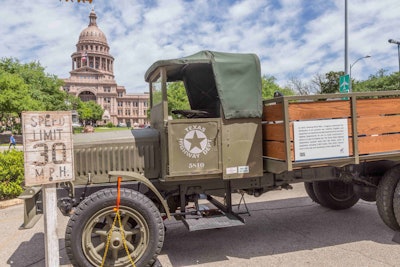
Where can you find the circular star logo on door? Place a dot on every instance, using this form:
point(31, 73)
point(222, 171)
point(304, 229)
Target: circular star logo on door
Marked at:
point(194, 143)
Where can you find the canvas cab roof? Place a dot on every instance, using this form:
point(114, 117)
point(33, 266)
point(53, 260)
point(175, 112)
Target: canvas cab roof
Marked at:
point(213, 78)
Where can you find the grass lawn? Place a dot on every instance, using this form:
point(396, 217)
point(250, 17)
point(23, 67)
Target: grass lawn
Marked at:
point(106, 129)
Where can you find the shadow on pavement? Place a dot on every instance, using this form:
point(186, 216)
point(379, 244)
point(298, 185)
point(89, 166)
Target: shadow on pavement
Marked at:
point(32, 253)
point(276, 227)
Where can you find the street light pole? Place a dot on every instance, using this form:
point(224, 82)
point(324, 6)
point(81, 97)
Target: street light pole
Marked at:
point(346, 37)
point(351, 65)
point(392, 41)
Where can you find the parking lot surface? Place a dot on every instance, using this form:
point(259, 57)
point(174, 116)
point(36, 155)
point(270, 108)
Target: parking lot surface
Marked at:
point(285, 228)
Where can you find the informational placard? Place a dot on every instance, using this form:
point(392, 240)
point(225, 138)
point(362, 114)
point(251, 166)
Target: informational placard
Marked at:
point(48, 148)
point(320, 139)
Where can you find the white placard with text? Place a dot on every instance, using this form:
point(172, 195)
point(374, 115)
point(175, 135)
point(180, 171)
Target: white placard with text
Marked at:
point(320, 139)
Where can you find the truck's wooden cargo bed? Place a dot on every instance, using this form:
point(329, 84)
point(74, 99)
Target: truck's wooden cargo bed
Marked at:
point(374, 116)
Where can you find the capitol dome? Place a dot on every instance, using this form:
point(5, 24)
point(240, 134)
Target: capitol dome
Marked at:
point(92, 34)
point(92, 50)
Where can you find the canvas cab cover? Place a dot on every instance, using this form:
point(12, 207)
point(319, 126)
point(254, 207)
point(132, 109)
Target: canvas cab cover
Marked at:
point(212, 79)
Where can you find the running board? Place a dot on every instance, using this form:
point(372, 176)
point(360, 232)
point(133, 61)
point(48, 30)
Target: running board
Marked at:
point(222, 220)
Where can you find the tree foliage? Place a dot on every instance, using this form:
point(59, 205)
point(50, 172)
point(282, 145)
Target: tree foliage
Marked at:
point(328, 83)
point(43, 89)
point(89, 112)
point(15, 96)
point(177, 97)
point(28, 87)
point(379, 82)
point(269, 87)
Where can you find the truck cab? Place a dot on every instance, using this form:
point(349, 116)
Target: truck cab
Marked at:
point(220, 135)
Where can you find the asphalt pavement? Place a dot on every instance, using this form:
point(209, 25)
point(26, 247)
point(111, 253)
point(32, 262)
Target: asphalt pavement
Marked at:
point(285, 228)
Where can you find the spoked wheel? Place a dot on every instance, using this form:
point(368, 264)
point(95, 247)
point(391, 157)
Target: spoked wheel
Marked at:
point(335, 195)
point(385, 196)
point(309, 187)
point(139, 240)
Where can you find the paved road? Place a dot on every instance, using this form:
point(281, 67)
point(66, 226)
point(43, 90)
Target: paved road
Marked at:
point(281, 231)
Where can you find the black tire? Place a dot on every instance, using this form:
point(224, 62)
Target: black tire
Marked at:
point(87, 230)
point(309, 187)
point(374, 171)
point(335, 195)
point(385, 195)
point(396, 203)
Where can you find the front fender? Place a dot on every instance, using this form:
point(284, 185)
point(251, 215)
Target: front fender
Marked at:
point(140, 178)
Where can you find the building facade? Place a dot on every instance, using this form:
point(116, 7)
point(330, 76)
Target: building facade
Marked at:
point(92, 78)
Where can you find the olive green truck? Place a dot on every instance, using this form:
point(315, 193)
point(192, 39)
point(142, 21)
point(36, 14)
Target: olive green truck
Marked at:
point(342, 147)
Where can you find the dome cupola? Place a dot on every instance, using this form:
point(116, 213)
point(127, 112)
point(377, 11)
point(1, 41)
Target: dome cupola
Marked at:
point(92, 34)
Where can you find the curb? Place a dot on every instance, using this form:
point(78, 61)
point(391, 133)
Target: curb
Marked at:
point(11, 202)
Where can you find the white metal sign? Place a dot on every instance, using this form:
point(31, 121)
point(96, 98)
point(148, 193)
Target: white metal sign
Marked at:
point(48, 148)
point(320, 139)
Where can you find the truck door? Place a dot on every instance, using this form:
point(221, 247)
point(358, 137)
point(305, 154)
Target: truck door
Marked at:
point(194, 148)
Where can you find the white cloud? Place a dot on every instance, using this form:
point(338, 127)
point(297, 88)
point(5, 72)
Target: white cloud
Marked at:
point(292, 38)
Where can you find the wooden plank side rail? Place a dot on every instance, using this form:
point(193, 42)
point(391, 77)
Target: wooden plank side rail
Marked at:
point(377, 121)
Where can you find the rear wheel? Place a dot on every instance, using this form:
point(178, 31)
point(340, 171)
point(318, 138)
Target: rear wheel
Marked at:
point(309, 187)
point(87, 233)
point(385, 196)
point(396, 203)
point(335, 195)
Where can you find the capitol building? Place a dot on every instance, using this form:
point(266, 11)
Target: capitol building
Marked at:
point(92, 78)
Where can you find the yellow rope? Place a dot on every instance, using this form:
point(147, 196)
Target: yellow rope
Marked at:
point(108, 241)
point(121, 228)
point(124, 240)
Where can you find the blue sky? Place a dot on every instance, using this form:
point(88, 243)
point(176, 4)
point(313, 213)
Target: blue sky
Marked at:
point(293, 38)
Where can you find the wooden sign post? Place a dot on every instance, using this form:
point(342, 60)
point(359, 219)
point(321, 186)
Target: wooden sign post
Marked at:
point(48, 153)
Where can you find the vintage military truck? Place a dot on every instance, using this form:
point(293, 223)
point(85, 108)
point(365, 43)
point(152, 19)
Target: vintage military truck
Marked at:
point(342, 147)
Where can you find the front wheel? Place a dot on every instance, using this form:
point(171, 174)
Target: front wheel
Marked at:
point(335, 195)
point(88, 230)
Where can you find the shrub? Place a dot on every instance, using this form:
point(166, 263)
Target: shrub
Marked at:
point(77, 130)
point(11, 173)
point(110, 125)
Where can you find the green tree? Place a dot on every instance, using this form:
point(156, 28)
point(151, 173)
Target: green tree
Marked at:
point(14, 97)
point(269, 87)
point(379, 82)
point(26, 87)
point(43, 88)
point(177, 97)
point(89, 112)
point(329, 83)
